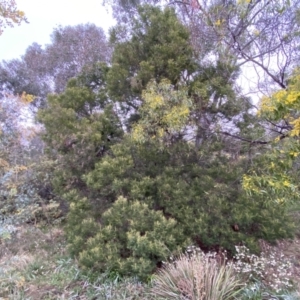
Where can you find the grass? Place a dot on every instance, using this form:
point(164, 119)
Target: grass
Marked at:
point(197, 277)
point(34, 265)
point(257, 291)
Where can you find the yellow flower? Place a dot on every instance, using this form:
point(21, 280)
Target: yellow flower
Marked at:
point(277, 139)
point(280, 200)
point(296, 129)
point(294, 154)
point(291, 97)
point(286, 183)
point(218, 22)
point(271, 183)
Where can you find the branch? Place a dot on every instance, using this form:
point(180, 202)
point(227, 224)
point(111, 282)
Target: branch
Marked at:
point(255, 142)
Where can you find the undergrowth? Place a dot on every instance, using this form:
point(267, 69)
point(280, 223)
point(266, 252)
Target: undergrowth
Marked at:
point(35, 264)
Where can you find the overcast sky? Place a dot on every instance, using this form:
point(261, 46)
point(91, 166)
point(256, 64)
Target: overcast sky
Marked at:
point(43, 16)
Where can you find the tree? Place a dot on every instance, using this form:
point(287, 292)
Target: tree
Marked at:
point(10, 15)
point(73, 48)
point(198, 188)
point(263, 34)
point(42, 71)
point(260, 34)
point(80, 127)
point(172, 164)
point(26, 75)
point(157, 47)
point(276, 174)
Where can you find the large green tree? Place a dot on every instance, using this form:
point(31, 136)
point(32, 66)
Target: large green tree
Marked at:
point(179, 164)
point(156, 46)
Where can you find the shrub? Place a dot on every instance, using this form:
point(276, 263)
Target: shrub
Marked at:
point(271, 268)
point(132, 240)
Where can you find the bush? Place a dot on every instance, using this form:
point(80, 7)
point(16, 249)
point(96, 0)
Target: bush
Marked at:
point(132, 240)
point(271, 268)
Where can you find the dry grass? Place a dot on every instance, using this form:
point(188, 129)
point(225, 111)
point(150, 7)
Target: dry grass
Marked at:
point(35, 265)
point(20, 257)
point(196, 277)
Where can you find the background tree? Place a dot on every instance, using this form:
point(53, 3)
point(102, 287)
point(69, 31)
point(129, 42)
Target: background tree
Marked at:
point(73, 48)
point(259, 34)
point(42, 71)
point(10, 15)
point(262, 34)
point(24, 170)
point(26, 75)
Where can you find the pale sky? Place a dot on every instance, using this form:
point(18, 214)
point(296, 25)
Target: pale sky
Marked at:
point(43, 16)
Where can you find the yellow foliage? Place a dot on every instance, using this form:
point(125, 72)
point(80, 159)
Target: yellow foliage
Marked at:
point(266, 106)
point(280, 200)
point(26, 98)
point(138, 133)
point(296, 129)
point(294, 153)
point(177, 116)
point(277, 139)
point(284, 104)
point(286, 183)
point(218, 22)
point(164, 111)
point(247, 183)
point(10, 15)
point(277, 180)
point(153, 101)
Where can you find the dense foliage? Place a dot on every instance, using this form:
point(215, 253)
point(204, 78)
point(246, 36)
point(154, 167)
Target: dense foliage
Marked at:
point(171, 178)
point(277, 176)
point(155, 148)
